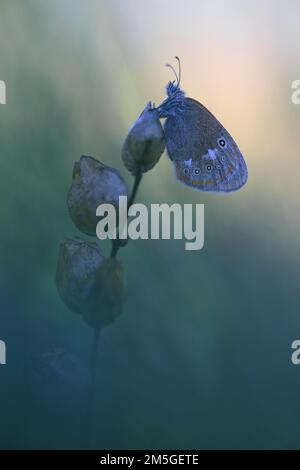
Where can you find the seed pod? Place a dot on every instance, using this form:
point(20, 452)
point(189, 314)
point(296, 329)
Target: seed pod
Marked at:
point(144, 143)
point(88, 283)
point(78, 263)
point(93, 184)
point(110, 294)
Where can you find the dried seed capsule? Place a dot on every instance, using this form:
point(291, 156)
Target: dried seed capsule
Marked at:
point(88, 283)
point(93, 184)
point(144, 143)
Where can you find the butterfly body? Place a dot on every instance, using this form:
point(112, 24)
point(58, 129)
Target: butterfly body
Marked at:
point(204, 154)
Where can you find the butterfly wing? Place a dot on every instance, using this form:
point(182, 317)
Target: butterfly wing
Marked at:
point(204, 154)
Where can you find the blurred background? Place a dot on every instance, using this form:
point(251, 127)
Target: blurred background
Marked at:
point(200, 358)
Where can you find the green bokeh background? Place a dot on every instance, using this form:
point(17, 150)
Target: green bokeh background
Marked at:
point(201, 356)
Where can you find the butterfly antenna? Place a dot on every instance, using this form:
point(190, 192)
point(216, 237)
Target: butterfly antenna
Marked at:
point(175, 73)
point(179, 71)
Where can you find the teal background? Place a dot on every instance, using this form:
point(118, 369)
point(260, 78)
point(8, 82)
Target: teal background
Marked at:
point(200, 358)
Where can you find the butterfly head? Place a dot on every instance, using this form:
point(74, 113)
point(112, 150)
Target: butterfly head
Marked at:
point(173, 89)
point(175, 96)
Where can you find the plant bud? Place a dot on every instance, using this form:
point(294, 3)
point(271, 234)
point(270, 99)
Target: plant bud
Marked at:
point(110, 294)
point(144, 143)
point(93, 184)
point(78, 263)
point(88, 283)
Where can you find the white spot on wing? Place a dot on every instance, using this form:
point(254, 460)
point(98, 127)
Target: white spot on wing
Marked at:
point(211, 154)
point(188, 163)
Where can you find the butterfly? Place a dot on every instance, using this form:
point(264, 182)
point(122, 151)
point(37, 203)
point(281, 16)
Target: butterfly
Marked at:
point(204, 154)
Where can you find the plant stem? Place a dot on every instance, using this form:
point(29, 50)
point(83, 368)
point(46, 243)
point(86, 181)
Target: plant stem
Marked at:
point(137, 180)
point(117, 243)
